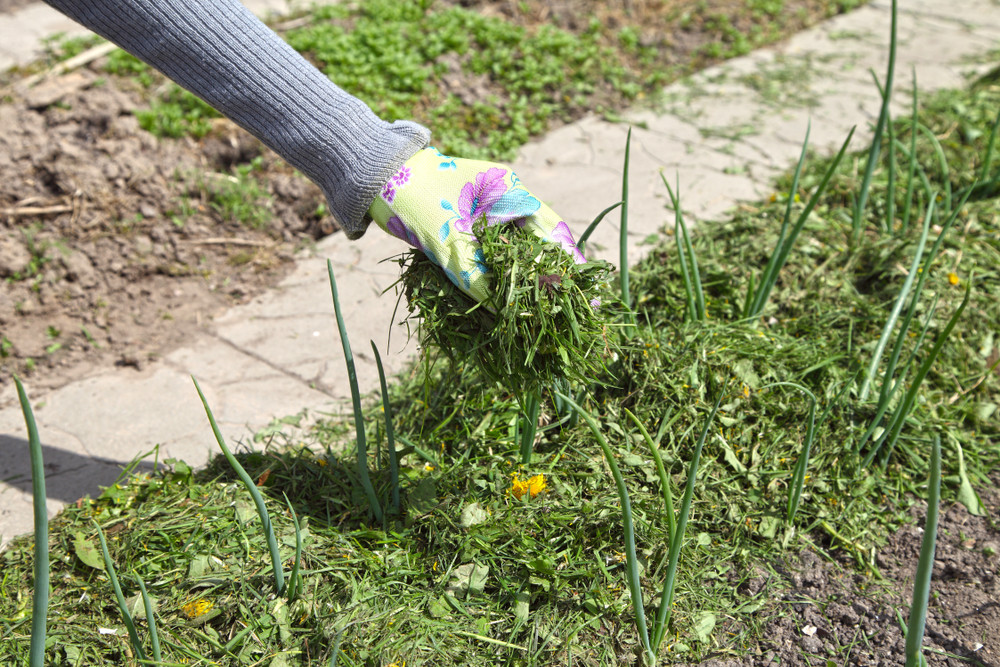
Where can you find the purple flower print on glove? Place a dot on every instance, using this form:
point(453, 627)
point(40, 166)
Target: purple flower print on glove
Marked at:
point(401, 177)
point(388, 192)
point(478, 197)
point(398, 228)
point(564, 237)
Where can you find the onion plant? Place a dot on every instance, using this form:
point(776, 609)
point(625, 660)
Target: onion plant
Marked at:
point(688, 261)
point(623, 235)
point(147, 605)
point(876, 145)
point(109, 569)
point(925, 566)
point(891, 434)
point(40, 595)
point(651, 640)
point(389, 432)
point(756, 298)
point(359, 423)
point(258, 500)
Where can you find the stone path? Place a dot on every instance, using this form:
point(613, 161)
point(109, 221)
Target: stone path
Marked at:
point(726, 132)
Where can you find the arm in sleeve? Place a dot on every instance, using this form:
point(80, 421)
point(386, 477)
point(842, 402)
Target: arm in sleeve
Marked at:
point(221, 52)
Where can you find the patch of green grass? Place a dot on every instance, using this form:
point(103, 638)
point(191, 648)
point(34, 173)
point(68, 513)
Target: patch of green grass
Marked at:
point(409, 61)
point(59, 47)
point(483, 84)
point(238, 197)
point(177, 113)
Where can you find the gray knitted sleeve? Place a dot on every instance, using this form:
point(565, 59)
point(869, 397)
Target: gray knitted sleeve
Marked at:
point(222, 53)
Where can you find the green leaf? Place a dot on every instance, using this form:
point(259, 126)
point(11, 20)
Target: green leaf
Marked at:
point(246, 511)
point(966, 494)
point(542, 565)
point(472, 515)
point(522, 606)
point(732, 459)
point(704, 626)
point(87, 553)
point(423, 498)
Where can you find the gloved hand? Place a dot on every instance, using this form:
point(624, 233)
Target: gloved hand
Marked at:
point(433, 200)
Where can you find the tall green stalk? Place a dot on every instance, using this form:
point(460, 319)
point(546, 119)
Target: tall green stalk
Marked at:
point(688, 260)
point(251, 487)
point(623, 235)
point(359, 422)
point(147, 604)
point(662, 621)
point(876, 145)
point(897, 307)
point(925, 566)
point(389, 431)
point(891, 434)
point(786, 238)
point(109, 569)
point(40, 595)
point(628, 526)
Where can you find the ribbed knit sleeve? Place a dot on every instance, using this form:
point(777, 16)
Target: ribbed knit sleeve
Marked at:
point(222, 53)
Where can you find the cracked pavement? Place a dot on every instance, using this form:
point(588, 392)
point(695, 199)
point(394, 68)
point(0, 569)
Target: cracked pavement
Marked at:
point(725, 133)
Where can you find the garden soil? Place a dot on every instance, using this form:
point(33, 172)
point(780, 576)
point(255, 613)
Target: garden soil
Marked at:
point(833, 614)
point(112, 252)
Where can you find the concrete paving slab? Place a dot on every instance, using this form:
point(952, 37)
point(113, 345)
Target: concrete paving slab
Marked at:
point(726, 131)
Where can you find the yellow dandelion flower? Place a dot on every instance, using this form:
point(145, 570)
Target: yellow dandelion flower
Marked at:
point(532, 486)
point(197, 608)
point(952, 277)
point(428, 467)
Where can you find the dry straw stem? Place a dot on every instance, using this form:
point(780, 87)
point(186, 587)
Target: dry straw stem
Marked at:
point(538, 326)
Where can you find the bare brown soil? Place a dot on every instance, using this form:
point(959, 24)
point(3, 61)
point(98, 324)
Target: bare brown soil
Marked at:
point(834, 615)
point(110, 248)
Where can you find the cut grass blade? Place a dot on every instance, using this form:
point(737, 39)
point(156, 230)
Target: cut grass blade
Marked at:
point(631, 561)
point(688, 260)
point(582, 243)
point(40, 595)
point(925, 566)
point(662, 621)
point(109, 568)
point(359, 423)
point(389, 433)
point(883, 118)
point(785, 242)
point(147, 604)
point(251, 487)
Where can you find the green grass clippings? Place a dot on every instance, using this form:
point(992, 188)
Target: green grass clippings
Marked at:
point(547, 321)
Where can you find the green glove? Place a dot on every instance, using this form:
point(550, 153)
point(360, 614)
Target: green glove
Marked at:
point(433, 200)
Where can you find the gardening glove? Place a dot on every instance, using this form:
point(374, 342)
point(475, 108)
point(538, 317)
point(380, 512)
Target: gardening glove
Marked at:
point(433, 201)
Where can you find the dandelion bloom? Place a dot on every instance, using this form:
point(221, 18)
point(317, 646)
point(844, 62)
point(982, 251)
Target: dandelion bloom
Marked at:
point(531, 486)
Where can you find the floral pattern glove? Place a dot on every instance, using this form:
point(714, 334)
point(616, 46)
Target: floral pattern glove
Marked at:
point(433, 200)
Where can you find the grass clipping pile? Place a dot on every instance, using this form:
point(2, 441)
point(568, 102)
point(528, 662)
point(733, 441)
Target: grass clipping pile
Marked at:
point(547, 319)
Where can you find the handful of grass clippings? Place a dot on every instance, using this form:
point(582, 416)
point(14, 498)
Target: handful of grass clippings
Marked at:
point(547, 318)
